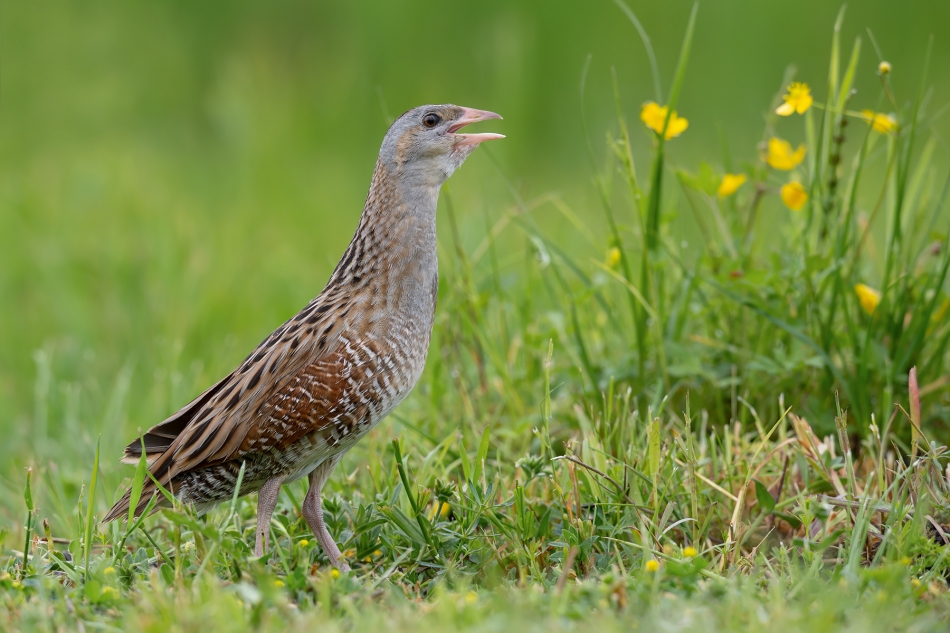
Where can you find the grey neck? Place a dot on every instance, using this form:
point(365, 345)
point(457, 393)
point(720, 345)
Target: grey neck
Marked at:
point(396, 229)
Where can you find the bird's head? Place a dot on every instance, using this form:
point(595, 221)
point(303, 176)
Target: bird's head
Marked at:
point(424, 146)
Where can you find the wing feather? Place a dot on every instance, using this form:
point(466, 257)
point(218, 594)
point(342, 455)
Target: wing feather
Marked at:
point(229, 419)
point(218, 431)
point(159, 438)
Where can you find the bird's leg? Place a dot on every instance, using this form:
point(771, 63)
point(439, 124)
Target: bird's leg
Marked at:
point(313, 513)
point(266, 502)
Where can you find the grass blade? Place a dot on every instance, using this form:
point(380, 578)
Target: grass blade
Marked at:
point(28, 499)
point(482, 454)
point(654, 69)
point(90, 519)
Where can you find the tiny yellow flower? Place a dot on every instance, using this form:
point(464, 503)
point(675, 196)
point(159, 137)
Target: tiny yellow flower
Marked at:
point(278, 583)
point(377, 553)
point(109, 593)
point(653, 116)
point(471, 597)
point(905, 561)
point(613, 257)
point(350, 553)
point(441, 508)
point(651, 565)
point(108, 570)
point(730, 184)
point(781, 156)
point(690, 552)
point(334, 573)
point(794, 195)
point(884, 68)
point(882, 123)
point(303, 543)
point(915, 582)
point(868, 297)
point(16, 584)
point(798, 100)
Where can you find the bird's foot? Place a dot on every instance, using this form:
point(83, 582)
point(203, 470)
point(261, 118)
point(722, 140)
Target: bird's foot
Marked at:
point(333, 553)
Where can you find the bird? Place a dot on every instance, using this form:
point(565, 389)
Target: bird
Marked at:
point(322, 380)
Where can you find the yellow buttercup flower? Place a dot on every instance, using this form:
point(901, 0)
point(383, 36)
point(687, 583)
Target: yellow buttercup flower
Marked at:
point(441, 508)
point(334, 573)
point(884, 68)
point(883, 123)
point(794, 195)
point(690, 552)
point(781, 156)
point(798, 100)
point(868, 297)
point(651, 565)
point(613, 257)
point(653, 116)
point(730, 183)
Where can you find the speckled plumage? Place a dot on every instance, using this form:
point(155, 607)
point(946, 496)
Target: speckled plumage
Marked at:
point(327, 376)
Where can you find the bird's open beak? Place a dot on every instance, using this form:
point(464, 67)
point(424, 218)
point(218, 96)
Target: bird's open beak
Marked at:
point(470, 115)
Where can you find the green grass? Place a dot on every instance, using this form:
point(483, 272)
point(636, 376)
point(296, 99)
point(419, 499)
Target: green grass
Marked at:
point(663, 409)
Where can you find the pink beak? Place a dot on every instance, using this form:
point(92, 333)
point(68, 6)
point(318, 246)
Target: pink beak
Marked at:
point(471, 115)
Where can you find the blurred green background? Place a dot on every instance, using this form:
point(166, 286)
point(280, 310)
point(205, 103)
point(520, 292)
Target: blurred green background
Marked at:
point(177, 178)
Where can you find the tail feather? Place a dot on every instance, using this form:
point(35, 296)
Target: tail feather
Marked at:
point(121, 508)
point(160, 437)
point(157, 440)
point(133, 458)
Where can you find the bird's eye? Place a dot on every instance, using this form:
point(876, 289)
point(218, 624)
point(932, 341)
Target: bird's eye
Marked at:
point(431, 120)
